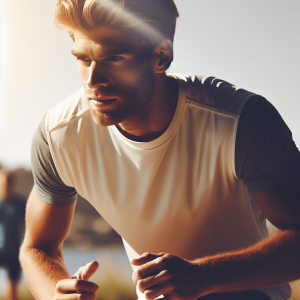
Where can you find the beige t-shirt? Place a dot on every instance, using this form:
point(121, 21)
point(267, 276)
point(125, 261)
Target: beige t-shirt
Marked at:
point(177, 194)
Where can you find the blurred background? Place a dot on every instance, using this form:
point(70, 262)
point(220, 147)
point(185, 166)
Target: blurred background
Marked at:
point(252, 44)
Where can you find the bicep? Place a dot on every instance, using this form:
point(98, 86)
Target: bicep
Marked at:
point(268, 162)
point(281, 204)
point(46, 225)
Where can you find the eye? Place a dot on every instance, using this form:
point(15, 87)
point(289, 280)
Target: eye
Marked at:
point(82, 58)
point(113, 58)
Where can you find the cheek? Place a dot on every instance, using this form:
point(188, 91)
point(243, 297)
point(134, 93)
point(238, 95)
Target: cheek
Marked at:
point(83, 72)
point(132, 74)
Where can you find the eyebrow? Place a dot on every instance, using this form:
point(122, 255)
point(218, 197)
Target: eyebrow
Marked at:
point(104, 53)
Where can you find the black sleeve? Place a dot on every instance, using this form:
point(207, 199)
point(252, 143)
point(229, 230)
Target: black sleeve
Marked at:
point(265, 153)
point(48, 185)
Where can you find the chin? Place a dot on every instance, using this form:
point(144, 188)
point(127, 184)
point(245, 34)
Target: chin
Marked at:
point(104, 119)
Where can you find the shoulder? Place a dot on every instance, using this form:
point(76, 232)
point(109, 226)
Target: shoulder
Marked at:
point(216, 93)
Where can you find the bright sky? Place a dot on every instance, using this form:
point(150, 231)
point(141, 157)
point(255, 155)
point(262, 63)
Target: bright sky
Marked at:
point(253, 44)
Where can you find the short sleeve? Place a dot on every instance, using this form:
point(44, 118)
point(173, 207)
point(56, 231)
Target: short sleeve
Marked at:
point(265, 153)
point(48, 185)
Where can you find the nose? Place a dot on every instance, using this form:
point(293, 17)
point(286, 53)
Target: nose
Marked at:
point(96, 77)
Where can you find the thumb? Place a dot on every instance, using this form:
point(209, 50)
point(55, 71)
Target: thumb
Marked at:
point(87, 271)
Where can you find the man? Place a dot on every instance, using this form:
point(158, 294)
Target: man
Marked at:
point(185, 168)
point(12, 217)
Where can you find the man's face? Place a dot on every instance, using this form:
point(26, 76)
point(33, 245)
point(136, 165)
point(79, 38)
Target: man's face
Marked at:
point(116, 72)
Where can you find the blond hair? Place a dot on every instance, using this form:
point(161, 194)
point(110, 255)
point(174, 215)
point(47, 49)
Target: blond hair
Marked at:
point(150, 21)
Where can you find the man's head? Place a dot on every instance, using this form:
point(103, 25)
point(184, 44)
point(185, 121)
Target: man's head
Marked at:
point(120, 47)
point(6, 184)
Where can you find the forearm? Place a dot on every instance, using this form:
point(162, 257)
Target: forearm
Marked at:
point(42, 271)
point(271, 262)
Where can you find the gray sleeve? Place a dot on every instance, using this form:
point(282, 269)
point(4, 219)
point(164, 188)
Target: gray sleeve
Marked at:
point(48, 185)
point(265, 153)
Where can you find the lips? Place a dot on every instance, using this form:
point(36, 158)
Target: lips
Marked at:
point(100, 102)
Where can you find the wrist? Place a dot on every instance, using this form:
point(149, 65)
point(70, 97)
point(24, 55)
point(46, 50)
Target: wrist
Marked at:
point(206, 276)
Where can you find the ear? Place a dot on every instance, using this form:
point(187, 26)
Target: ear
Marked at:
point(162, 56)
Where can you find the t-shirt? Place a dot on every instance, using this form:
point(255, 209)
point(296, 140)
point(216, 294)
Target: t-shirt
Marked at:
point(265, 154)
point(12, 218)
point(183, 193)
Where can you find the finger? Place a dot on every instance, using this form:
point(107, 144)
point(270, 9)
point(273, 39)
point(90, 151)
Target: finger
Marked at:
point(157, 291)
point(87, 271)
point(73, 285)
point(149, 282)
point(144, 258)
point(151, 268)
point(75, 296)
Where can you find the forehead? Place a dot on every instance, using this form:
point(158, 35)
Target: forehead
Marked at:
point(103, 38)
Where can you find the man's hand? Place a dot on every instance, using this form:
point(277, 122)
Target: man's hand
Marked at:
point(168, 275)
point(81, 288)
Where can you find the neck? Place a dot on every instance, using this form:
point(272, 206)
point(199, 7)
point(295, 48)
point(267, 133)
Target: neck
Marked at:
point(153, 119)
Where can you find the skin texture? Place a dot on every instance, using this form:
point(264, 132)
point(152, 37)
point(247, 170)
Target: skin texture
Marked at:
point(41, 254)
point(132, 91)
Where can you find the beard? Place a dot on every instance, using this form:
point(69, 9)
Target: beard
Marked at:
point(132, 99)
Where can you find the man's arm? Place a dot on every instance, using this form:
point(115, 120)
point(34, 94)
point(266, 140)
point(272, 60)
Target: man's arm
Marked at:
point(41, 253)
point(271, 262)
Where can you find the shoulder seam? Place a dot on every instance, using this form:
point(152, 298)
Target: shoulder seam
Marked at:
point(211, 108)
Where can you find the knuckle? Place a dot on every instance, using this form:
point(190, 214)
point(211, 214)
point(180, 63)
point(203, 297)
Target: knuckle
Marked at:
point(139, 274)
point(140, 285)
point(77, 285)
point(147, 295)
point(58, 285)
point(164, 260)
point(166, 274)
point(78, 297)
point(134, 277)
point(168, 258)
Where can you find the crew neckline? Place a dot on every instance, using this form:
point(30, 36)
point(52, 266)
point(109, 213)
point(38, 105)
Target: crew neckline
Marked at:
point(181, 81)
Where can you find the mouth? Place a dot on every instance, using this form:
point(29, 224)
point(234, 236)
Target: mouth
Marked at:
point(101, 102)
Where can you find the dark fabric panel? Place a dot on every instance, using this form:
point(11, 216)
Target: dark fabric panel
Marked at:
point(265, 151)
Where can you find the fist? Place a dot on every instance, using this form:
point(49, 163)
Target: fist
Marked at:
point(168, 275)
point(78, 289)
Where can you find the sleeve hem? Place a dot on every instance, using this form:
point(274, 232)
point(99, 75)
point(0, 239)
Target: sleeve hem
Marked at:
point(285, 174)
point(55, 201)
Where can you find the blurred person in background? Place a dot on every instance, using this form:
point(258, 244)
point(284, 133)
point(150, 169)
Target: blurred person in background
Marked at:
point(185, 168)
point(12, 218)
